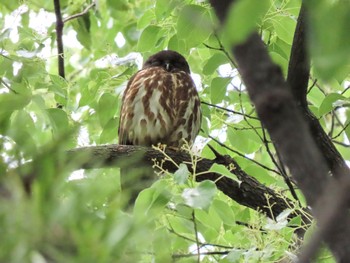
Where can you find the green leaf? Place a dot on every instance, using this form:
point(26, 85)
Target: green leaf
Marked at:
point(218, 88)
point(181, 174)
point(163, 8)
point(23, 136)
point(194, 25)
point(107, 107)
point(146, 19)
point(59, 121)
point(10, 102)
point(328, 103)
point(265, 177)
point(234, 256)
point(177, 44)
point(118, 5)
point(149, 38)
point(347, 130)
point(243, 18)
point(281, 61)
point(59, 86)
point(88, 93)
point(201, 196)
point(316, 97)
point(82, 27)
point(225, 212)
point(221, 169)
point(110, 132)
point(150, 200)
point(214, 62)
point(295, 221)
point(244, 141)
point(284, 28)
point(329, 37)
point(58, 80)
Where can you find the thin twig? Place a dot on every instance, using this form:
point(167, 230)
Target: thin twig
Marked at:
point(228, 110)
point(222, 49)
point(175, 256)
point(86, 10)
point(7, 86)
point(242, 155)
point(345, 90)
point(342, 130)
point(171, 230)
point(333, 116)
point(280, 167)
point(341, 143)
point(318, 86)
point(225, 51)
point(196, 235)
point(312, 85)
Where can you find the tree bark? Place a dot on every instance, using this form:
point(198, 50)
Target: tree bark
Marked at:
point(282, 115)
point(249, 192)
point(298, 79)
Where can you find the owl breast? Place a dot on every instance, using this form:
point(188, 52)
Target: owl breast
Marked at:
point(160, 107)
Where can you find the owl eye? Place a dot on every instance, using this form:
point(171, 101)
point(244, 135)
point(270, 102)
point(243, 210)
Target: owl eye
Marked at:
point(155, 63)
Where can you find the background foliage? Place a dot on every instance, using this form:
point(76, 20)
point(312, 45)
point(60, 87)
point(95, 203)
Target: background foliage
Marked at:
point(66, 219)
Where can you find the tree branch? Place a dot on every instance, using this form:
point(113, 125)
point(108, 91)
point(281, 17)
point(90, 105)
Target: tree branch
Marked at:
point(86, 10)
point(243, 156)
point(286, 125)
point(59, 33)
point(228, 110)
point(249, 192)
point(298, 78)
point(299, 62)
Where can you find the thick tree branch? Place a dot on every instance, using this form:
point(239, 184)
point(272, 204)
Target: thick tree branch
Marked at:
point(298, 78)
point(281, 116)
point(249, 192)
point(332, 156)
point(332, 222)
point(285, 122)
point(299, 62)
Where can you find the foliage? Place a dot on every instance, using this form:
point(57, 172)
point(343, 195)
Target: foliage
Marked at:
point(80, 220)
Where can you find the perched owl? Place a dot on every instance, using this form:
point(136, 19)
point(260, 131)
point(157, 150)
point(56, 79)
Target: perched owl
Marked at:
point(160, 103)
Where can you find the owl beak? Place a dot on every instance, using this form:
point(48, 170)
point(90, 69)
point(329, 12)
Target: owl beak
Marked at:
point(167, 66)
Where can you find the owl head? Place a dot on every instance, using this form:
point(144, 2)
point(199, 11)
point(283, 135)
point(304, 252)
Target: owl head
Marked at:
point(169, 60)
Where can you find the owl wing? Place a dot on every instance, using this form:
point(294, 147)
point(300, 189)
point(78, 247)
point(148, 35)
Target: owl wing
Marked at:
point(147, 113)
point(188, 112)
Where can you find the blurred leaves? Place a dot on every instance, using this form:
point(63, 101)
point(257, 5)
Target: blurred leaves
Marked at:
point(200, 196)
point(149, 38)
point(329, 38)
point(194, 20)
point(243, 18)
point(78, 217)
point(181, 175)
